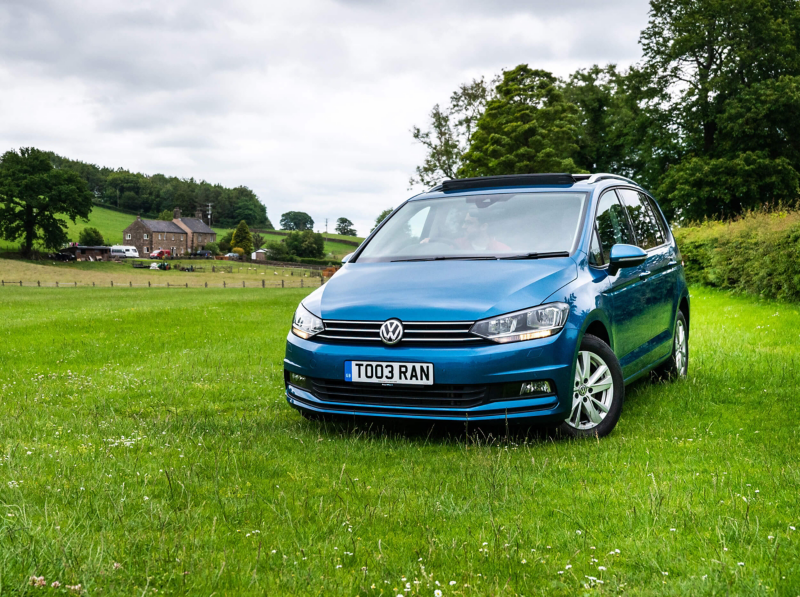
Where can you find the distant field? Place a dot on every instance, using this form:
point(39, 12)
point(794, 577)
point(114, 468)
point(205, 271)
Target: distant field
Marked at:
point(111, 224)
point(123, 274)
point(146, 448)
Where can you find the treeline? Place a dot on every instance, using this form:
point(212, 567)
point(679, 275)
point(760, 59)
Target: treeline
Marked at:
point(708, 120)
point(153, 194)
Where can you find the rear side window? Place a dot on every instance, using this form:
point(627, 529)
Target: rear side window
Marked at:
point(662, 224)
point(648, 234)
point(612, 224)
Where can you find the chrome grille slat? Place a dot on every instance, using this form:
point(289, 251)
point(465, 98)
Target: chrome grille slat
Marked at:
point(414, 332)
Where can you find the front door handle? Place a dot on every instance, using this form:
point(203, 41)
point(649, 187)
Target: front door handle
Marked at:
point(673, 262)
point(644, 274)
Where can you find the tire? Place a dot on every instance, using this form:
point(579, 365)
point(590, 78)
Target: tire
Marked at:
point(677, 365)
point(595, 413)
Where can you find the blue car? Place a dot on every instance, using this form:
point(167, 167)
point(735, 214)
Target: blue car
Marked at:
point(532, 298)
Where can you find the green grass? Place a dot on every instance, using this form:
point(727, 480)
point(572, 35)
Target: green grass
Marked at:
point(148, 428)
point(331, 246)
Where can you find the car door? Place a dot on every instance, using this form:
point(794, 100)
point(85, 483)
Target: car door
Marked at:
point(655, 315)
point(626, 290)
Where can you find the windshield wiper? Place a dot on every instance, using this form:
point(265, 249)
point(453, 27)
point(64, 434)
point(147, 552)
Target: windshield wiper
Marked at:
point(448, 257)
point(538, 255)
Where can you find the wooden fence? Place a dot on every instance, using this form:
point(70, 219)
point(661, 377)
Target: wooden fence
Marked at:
point(304, 283)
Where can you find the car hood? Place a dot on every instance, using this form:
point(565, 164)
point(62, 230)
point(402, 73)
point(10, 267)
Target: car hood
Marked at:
point(438, 290)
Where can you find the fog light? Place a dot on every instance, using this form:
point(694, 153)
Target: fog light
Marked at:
point(298, 380)
point(534, 387)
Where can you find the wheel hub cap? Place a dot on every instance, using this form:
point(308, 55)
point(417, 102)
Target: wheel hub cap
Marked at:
point(593, 393)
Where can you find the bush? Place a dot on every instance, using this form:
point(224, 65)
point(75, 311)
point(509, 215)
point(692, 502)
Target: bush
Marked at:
point(305, 244)
point(758, 253)
point(239, 251)
point(213, 247)
point(91, 237)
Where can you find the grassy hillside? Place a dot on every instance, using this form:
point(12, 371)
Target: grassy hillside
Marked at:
point(147, 448)
point(112, 223)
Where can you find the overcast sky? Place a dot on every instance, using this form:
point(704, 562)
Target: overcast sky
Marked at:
point(307, 102)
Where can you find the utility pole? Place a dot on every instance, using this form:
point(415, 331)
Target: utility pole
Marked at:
point(209, 214)
point(326, 225)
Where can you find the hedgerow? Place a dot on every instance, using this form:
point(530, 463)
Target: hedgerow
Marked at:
point(758, 253)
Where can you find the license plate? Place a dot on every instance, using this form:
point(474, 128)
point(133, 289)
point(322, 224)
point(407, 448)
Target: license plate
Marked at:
point(389, 373)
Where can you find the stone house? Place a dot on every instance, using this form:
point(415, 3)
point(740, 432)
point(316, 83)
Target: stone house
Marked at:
point(180, 236)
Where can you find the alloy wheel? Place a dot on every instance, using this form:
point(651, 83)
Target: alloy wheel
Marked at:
point(681, 349)
point(593, 392)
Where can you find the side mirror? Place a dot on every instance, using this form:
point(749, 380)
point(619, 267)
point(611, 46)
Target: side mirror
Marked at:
point(347, 257)
point(625, 256)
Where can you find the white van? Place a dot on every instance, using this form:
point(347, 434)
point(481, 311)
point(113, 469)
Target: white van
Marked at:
point(123, 251)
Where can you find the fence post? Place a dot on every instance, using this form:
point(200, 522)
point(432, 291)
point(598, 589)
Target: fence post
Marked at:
point(4, 282)
point(130, 284)
point(112, 283)
point(263, 285)
point(167, 284)
point(20, 282)
point(223, 284)
point(282, 283)
point(76, 284)
point(242, 283)
point(301, 282)
point(187, 284)
point(56, 284)
point(92, 284)
point(38, 282)
point(213, 269)
point(206, 284)
point(148, 283)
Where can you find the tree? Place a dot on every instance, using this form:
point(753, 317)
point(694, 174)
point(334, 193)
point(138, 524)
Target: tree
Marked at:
point(345, 227)
point(258, 241)
point(166, 215)
point(305, 243)
point(450, 129)
point(528, 127)
point(212, 247)
point(381, 217)
point(719, 74)
point(277, 251)
point(225, 242)
point(33, 194)
point(296, 220)
point(91, 237)
point(242, 238)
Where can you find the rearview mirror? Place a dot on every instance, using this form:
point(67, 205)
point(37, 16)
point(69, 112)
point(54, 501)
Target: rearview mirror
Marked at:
point(347, 257)
point(625, 256)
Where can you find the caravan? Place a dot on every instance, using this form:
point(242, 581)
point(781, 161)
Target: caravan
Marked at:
point(122, 251)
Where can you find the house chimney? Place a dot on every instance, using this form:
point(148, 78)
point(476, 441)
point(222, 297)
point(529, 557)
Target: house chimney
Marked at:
point(199, 214)
point(176, 213)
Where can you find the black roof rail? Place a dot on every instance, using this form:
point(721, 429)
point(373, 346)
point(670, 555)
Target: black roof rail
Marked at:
point(509, 180)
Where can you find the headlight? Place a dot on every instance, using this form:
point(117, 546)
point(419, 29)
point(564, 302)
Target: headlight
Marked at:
point(538, 322)
point(305, 323)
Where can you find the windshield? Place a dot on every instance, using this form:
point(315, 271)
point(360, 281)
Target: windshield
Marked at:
point(479, 226)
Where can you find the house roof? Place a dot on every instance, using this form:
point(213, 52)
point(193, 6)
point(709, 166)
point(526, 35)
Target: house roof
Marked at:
point(197, 225)
point(163, 226)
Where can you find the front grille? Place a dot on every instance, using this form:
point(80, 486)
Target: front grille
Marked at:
point(414, 332)
point(436, 395)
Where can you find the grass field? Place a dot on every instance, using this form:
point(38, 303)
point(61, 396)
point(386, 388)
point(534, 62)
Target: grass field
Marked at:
point(111, 224)
point(146, 448)
point(122, 274)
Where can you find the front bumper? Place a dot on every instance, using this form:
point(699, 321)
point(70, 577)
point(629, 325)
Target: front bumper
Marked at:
point(487, 365)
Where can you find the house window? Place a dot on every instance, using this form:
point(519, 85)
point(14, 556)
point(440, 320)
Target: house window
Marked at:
point(173, 237)
point(159, 237)
point(181, 236)
point(145, 238)
point(146, 249)
point(128, 236)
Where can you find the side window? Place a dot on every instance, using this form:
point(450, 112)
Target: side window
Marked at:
point(659, 219)
point(612, 225)
point(644, 224)
point(595, 252)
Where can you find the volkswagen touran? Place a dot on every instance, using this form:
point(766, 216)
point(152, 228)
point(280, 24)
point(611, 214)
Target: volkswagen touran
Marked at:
point(504, 298)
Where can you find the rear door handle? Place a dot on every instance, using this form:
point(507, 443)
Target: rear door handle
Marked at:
point(644, 274)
